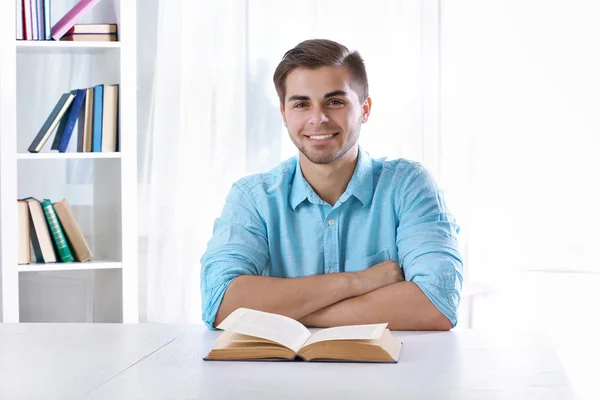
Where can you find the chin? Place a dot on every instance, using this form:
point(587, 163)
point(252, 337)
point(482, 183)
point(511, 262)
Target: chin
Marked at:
point(322, 157)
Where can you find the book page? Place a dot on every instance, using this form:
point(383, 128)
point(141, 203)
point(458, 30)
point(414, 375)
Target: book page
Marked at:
point(228, 336)
point(352, 332)
point(278, 328)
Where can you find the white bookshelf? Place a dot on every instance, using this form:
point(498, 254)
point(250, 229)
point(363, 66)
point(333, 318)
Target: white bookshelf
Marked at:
point(106, 204)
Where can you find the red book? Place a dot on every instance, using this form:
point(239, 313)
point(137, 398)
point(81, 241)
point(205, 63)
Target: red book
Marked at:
point(28, 27)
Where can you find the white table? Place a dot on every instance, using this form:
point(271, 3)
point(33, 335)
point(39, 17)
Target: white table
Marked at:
point(148, 361)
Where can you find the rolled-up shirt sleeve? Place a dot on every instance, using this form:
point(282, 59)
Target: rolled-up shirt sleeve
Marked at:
point(238, 247)
point(427, 240)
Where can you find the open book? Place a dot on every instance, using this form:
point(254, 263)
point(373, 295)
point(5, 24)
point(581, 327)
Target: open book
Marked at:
point(257, 335)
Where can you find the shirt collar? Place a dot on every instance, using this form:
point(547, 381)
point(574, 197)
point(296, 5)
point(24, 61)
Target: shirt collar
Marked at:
point(360, 185)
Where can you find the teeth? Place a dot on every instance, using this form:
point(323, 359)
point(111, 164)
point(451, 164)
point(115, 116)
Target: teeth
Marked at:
point(320, 137)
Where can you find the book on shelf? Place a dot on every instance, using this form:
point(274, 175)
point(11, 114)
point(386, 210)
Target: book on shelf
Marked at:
point(34, 22)
point(62, 137)
point(261, 336)
point(73, 16)
point(97, 118)
point(90, 37)
point(60, 241)
point(23, 232)
point(84, 126)
point(109, 118)
point(82, 29)
point(52, 230)
point(77, 243)
point(51, 123)
point(33, 19)
point(36, 33)
point(19, 17)
point(94, 111)
point(41, 241)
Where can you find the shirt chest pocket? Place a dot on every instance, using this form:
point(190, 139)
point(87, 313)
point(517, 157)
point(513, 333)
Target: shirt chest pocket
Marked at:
point(356, 264)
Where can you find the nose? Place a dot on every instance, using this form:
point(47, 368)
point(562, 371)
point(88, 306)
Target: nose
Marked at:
point(318, 116)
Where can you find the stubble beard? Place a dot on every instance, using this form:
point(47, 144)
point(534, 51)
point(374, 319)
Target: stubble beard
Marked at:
point(327, 157)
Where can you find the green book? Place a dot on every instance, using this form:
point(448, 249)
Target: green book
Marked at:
point(64, 253)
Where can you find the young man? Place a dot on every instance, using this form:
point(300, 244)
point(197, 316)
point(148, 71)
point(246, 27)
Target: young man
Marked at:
point(332, 237)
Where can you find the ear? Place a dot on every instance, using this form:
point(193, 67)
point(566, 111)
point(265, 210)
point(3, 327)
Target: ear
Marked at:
point(366, 109)
point(282, 111)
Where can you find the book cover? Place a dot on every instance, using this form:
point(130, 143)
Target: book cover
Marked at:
point(90, 37)
point(59, 131)
point(19, 16)
point(109, 119)
point(57, 113)
point(73, 16)
point(28, 31)
point(71, 120)
point(23, 232)
point(97, 124)
point(47, 19)
point(64, 253)
point(41, 20)
point(35, 27)
point(76, 241)
point(41, 241)
point(92, 28)
point(84, 124)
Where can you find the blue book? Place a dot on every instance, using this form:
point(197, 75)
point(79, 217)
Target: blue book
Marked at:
point(51, 123)
point(41, 20)
point(71, 120)
point(61, 128)
point(97, 124)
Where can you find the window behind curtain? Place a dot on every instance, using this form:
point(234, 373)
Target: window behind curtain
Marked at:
point(386, 33)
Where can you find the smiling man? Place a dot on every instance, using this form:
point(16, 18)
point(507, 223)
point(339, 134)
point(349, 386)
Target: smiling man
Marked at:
point(333, 237)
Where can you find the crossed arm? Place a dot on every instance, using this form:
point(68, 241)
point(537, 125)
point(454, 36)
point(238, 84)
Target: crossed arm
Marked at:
point(378, 294)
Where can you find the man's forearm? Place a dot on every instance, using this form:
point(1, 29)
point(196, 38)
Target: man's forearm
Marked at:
point(292, 297)
point(403, 305)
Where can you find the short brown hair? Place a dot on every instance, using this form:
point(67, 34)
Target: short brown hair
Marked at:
point(317, 53)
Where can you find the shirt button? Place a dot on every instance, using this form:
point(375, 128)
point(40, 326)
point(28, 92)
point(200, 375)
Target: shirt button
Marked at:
point(331, 222)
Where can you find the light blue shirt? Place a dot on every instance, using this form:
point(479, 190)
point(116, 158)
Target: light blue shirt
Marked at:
point(274, 224)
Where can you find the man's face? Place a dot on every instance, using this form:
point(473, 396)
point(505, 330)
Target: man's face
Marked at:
point(322, 112)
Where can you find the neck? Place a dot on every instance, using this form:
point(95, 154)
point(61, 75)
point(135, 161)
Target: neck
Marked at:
point(329, 181)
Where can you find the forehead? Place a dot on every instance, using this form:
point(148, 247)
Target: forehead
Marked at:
point(317, 82)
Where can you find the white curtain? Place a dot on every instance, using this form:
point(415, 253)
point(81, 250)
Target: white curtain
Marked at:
point(193, 145)
point(209, 114)
point(519, 144)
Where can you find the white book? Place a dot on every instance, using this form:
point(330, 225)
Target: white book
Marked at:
point(19, 16)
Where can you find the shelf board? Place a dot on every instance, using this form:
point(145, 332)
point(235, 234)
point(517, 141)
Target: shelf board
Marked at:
point(71, 266)
point(54, 47)
point(64, 156)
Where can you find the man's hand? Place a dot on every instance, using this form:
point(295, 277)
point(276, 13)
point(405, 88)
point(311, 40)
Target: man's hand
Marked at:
point(380, 275)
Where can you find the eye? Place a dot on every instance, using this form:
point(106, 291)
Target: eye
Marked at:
point(336, 103)
point(301, 105)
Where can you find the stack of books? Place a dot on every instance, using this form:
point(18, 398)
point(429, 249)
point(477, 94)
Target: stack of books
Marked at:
point(94, 110)
point(34, 16)
point(91, 33)
point(52, 230)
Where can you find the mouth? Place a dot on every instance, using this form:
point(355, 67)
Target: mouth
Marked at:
point(321, 138)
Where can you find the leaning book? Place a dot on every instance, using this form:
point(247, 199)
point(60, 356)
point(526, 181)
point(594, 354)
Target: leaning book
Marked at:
point(261, 336)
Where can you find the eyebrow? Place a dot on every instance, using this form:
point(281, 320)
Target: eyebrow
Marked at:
point(328, 95)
